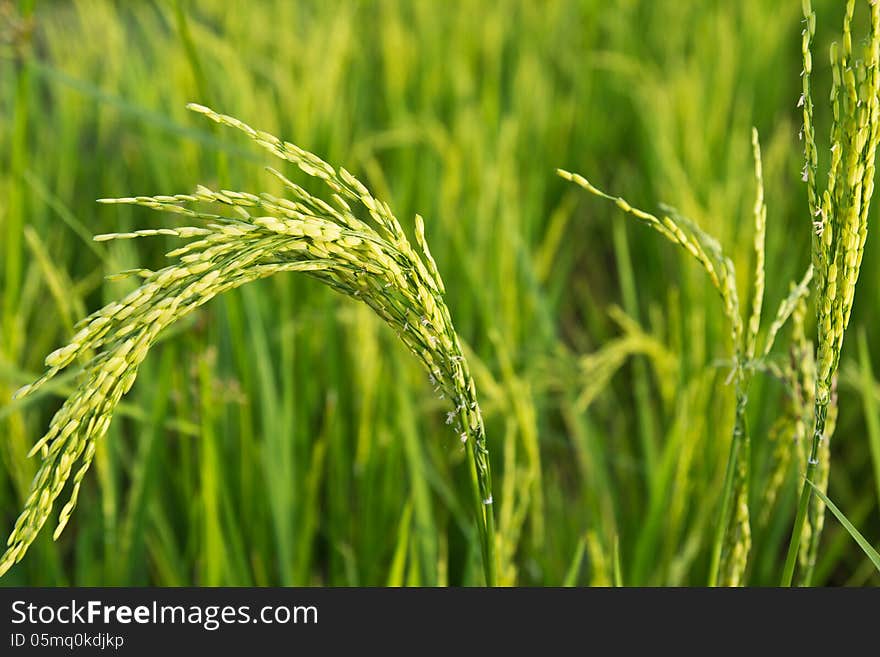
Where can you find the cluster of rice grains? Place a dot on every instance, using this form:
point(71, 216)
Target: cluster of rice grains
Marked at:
point(369, 259)
point(840, 220)
point(839, 224)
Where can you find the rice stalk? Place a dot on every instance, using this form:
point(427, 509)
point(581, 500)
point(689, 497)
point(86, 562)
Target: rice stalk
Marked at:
point(840, 214)
point(243, 238)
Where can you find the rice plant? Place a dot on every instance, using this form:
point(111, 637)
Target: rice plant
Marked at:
point(281, 435)
point(733, 535)
point(839, 223)
point(247, 237)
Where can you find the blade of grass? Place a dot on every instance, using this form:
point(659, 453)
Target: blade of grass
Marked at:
point(869, 402)
point(15, 199)
point(398, 562)
point(574, 568)
point(867, 548)
point(617, 571)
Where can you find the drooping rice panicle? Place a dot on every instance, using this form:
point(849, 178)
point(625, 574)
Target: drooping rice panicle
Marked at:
point(249, 237)
point(732, 541)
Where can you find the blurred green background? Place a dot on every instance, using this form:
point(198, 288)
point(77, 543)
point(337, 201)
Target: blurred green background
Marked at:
point(282, 435)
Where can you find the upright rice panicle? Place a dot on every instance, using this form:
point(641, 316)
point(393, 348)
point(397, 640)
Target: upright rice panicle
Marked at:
point(247, 237)
point(840, 219)
point(839, 223)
